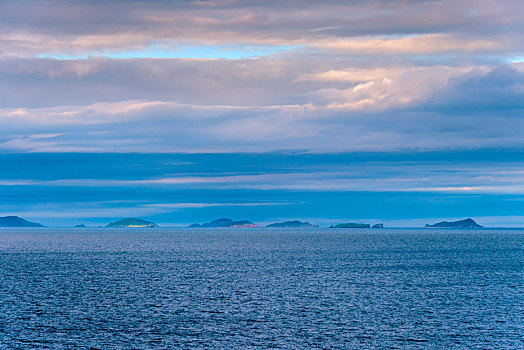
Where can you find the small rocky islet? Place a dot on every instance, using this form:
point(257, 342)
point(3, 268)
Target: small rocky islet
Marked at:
point(224, 223)
point(292, 224)
point(132, 223)
point(356, 225)
point(466, 223)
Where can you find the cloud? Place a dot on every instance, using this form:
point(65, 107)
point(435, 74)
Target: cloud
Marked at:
point(420, 44)
point(408, 87)
point(352, 75)
point(30, 28)
point(370, 176)
point(429, 107)
point(358, 76)
point(427, 79)
point(479, 91)
point(108, 209)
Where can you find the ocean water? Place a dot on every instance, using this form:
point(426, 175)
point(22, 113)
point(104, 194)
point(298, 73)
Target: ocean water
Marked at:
point(261, 288)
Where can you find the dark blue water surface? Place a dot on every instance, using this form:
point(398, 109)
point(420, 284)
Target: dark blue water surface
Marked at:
point(321, 288)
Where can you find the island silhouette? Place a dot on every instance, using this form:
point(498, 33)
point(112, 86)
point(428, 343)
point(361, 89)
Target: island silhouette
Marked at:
point(15, 221)
point(132, 222)
point(292, 224)
point(225, 222)
point(466, 223)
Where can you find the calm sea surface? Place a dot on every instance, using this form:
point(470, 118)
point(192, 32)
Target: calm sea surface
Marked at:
point(260, 288)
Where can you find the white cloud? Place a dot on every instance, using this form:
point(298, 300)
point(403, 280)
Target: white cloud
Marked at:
point(353, 75)
point(396, 88)
point(419, 44)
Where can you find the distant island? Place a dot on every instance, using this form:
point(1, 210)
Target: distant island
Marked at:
point(466, 223)
point(292, 224)
point(132, 222)
point(15, 221)
point(351, 225)
point(80, 226)
point(356, 225)
point(224, 222)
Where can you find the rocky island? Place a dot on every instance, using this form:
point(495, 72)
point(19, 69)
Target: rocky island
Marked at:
point(132, 222)
point(80, 226)
point(466, 223)
point(15, 221)
point(224, 222)
point(292, 224)
point(351, 225)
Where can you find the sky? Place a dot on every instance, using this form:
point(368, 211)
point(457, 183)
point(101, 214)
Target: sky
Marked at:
point(402, 112)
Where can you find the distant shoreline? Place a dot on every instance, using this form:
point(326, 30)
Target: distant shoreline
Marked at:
point(269, 228)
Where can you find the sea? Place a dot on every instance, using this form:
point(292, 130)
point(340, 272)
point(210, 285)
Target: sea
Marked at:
point(261, 289)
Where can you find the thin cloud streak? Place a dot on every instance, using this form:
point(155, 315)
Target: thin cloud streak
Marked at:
point(407, 178)
point(207, 205)
point(101, 210)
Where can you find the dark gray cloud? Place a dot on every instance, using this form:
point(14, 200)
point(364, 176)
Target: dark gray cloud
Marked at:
point(499, 91)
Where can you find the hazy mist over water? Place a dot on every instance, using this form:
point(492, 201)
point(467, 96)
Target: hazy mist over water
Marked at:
point(213, 288)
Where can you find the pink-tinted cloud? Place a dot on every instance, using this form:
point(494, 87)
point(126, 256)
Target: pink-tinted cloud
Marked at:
point(30, 28)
